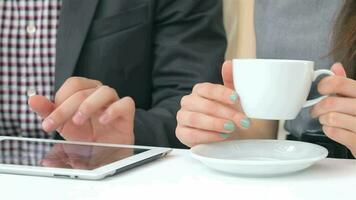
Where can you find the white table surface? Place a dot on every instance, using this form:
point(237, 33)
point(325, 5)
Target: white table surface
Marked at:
point(178, 176)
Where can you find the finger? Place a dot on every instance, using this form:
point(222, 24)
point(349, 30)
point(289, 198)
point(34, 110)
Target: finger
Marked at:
point(211, 108)
point(334, 104)
point(339, 120)
point(341, 136)
point(227, 74)
point(81, 164)
point(124, 108)
point(205, 122)
point(337, 85)
point(41, 105)
point(55, 158)
point(338, 70)
point(78, 157)
point(51, 162)
point(65, 111)
point(73, 85)
point(216, 92)
point(206, 106)
point(78, 162)
point(97, 101)
point(192, 137)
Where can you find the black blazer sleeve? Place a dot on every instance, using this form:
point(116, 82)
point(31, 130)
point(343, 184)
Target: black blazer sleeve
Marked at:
point(189, 46)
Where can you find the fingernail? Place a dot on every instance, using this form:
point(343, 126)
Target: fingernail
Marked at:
point(31, 92)
point(48, 124)
point(234, 96)
point(105, 118)
point(246, 122)
point(224, 135)
point(79, 118)
point(229, 126)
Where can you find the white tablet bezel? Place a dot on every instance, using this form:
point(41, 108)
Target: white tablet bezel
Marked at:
point(95, 174)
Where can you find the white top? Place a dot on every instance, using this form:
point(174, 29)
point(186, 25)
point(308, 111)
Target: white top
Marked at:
point(179, 176)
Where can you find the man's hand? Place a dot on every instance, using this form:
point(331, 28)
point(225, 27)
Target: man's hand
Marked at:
point(85, 110)
point(82, 156)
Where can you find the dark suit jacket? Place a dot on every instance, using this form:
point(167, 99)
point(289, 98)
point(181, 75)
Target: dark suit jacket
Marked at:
point(151, 50)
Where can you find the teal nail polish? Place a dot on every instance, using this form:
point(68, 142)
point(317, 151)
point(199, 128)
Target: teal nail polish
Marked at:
point(224, 135)
point(229, 126)
point(246, 122)
point(234, 96)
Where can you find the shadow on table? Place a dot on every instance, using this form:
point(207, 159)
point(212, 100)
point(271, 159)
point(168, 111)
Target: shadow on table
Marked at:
point(141, 167)
point(318, 171)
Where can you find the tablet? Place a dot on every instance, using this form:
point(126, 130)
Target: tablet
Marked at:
point(77, 160)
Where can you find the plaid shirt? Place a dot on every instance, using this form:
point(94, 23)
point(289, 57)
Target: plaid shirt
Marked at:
point(28, 31)
point(23, 152)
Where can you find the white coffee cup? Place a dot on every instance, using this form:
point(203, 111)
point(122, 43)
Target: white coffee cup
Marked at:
point(274, 89)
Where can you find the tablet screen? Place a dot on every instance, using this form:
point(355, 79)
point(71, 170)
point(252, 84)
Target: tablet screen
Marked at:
point(59, 155)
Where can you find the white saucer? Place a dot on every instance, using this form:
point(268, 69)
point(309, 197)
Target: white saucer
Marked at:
point(259, 157)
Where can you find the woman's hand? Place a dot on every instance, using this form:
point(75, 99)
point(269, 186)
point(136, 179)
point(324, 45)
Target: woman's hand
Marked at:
point(337, 114)
point(211, 112)
point(85, 110)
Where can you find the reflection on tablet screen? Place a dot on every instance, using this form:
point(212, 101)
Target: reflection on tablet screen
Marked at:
point(70, 156)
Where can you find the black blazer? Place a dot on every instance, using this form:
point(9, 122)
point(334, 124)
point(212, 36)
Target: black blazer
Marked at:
point(151, 50)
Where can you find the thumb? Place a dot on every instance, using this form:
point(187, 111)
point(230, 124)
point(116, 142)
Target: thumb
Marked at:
point(41, 105)
point(227, 74)
point(338, 70)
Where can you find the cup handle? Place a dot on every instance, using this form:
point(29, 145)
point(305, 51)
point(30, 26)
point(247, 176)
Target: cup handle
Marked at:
point(316, 75)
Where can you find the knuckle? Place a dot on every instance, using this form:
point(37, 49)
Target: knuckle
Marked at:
point(337, 82)
point(74, 82)
point(184, 101)
point(201, 87)
point(332, 119)
point(331, 132)
point(58, 115)
point(207, 86)
point(70, 79)
point(130, 101)
point(110, 91)
point(187, 118)
point(85, 108)
point(179, 116)
point(184, 136)
point(81, 95)
point(127, 102)
point(328, 102)
point(98, 83)
point(106, 88)
point(192, 139)
point(197, 87)
point(179, 132)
